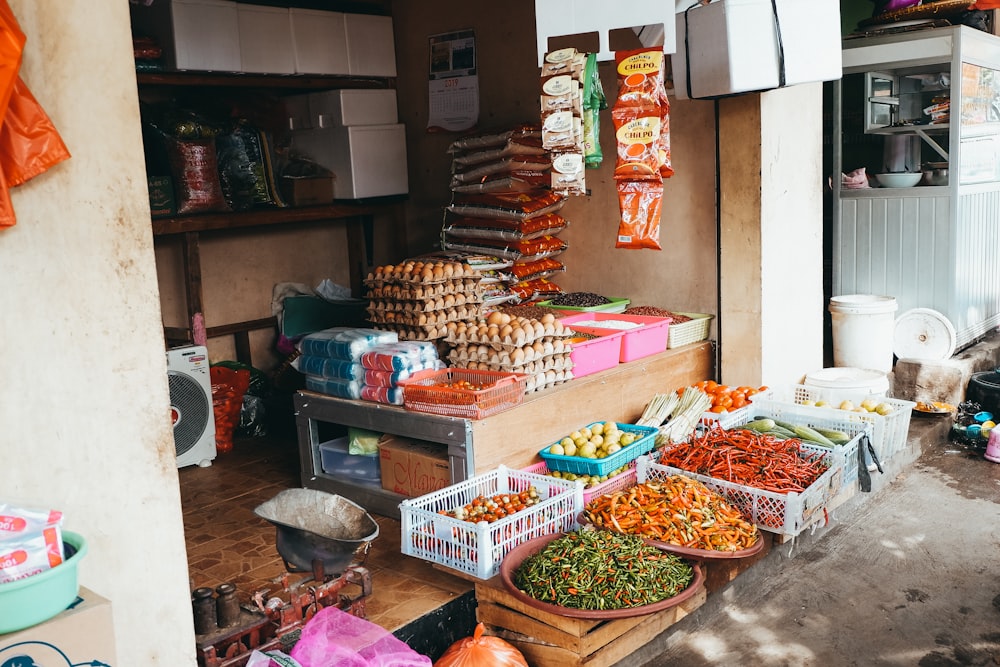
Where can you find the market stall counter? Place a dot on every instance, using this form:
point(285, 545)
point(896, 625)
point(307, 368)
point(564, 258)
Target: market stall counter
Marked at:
point(511, 438)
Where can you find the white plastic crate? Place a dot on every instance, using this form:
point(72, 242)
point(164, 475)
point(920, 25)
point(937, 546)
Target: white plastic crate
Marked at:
point(889, 432)
point(619, 482)
point(849, 452)
point(783, 513)
point(477, 549)
point(694, 330)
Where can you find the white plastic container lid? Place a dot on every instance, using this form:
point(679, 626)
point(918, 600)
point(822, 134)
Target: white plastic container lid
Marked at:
point(867, 380)
point(924, 333)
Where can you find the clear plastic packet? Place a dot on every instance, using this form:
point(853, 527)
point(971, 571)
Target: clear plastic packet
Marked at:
point(347, 343)
point(328, 367)
point(350, 389)
point(403, 355)
point(16, 520)
point(29, 553)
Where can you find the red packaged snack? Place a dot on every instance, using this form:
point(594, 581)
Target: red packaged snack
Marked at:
point(637, 135)
point(640, 77)
point(641, 203)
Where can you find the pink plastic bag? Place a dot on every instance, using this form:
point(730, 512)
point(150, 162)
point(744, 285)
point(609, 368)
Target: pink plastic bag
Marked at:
point(333, 638)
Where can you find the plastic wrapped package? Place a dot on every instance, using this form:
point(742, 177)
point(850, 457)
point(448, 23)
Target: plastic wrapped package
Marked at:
point(328, 367)
point(345, 343)
point(481, 650)
point(400, 356)
point(387, 395)
point(228, 389)
point(350, 389)
point(522, 206)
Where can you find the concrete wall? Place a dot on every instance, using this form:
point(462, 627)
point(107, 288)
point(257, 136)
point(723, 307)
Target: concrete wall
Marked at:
point(84, 406)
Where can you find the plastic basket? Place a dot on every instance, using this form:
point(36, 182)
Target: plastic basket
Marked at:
point(728, 419)
point(478, 548)
point(614, 305)
point(596, 354)
point(619, 482)
point(783, 513)
point(645, 441)
point(692, 331)
point(855, 428)
point(424, 392)
point(648, 338)
point(889, 432)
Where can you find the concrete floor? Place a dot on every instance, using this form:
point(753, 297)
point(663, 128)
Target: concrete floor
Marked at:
point(908, 574)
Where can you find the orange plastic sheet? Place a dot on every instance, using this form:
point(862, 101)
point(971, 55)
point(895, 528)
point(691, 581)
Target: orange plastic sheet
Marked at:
point(29, 142)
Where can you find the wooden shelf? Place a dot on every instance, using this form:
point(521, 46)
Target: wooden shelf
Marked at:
point(179, 224)
point(240, 80)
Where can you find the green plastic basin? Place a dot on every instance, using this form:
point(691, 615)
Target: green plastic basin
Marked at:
point(30, 601)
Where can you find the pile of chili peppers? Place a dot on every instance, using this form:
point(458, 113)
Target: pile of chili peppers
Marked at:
point(678, 510)
point(749, 458)
point(598, 569)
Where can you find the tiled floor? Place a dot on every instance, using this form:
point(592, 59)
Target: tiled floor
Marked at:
point(227, 542)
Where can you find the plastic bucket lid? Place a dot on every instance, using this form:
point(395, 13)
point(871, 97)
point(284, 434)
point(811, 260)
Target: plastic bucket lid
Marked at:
point(864, 379)
point(863, 304)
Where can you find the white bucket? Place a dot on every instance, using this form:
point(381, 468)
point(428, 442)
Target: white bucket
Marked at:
point(850, 382)
point(863, 327)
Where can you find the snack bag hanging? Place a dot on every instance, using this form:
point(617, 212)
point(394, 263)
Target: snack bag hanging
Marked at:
point(640, 203)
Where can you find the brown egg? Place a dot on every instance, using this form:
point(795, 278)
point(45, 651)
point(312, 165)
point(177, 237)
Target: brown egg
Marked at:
point(495, 317)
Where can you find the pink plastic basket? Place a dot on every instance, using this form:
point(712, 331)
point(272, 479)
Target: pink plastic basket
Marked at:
point(596, 354)
point(648, 338)
point(619, 482)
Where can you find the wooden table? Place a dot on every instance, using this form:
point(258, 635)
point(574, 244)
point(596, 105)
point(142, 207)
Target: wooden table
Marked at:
point(512, 437)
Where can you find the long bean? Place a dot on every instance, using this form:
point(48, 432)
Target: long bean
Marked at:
point(598, 569)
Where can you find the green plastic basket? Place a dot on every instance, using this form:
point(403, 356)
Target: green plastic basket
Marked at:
point(30, 601)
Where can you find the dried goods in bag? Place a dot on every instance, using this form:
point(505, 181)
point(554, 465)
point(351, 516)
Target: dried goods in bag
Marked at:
point(637, 134)
point(640, 203)
point(640, 77)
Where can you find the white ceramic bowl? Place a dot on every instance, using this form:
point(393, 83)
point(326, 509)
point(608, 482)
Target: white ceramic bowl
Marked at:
point(902, 180)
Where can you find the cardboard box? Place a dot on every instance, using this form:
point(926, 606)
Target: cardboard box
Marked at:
point(413, 467)
point(729, 47)
point(307, 190)
point(81, 635)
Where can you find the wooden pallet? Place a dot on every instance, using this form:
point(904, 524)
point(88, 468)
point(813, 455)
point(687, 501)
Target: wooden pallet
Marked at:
point(551, 640)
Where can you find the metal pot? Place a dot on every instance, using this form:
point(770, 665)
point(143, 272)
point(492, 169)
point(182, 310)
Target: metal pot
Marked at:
point(935, 176)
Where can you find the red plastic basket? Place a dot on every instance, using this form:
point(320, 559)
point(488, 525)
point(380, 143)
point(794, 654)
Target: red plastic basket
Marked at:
point(427, 391)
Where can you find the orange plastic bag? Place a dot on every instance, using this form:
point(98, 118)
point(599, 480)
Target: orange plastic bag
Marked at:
point(29, 142)
point(481, 650)
point(987, 4)
point(228, 387)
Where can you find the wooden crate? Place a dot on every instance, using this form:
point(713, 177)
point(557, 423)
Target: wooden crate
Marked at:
point(551, 640)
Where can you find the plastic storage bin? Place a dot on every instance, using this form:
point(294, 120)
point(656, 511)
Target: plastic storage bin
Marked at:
point(336, 459)
point(645, 440)
point(426, 392)
point(888, 432)
point(648, 338)
point(477, 549)
point(783, 513)
point(693, 331)
point(622, 480)
point(594, 355)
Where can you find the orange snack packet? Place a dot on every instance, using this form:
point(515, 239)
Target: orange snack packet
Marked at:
point(641, 204)
point(637, 136)
point(640, 77)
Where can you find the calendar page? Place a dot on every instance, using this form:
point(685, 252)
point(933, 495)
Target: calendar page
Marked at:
point(453, 88)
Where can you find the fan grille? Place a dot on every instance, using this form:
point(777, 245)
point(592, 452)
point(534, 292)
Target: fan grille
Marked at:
point(191, 411)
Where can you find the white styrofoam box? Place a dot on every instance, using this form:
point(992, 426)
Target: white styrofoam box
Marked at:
point(341, 108)
point(367, 160)
point(265, 40)
point(371, 47)
point(200, 35)
point(555, 18)
point(319, 41)
point(732, 46)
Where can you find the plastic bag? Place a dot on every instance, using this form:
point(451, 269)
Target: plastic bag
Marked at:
point(228, 388)
point(29, 142)
point(271, 659)
point(481, 650)
point(334, 638)
point(362, 441)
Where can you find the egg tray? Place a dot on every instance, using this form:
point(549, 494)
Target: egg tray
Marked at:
point(438, 319)
point(519, 355)
point(542, 381)
point(420, 273)
point(423, 305)
point(553, 363)
point(422, 291)
point(406, 332)
point(459, 337)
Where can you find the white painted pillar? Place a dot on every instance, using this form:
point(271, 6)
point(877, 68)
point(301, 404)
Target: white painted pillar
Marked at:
point(771, 235)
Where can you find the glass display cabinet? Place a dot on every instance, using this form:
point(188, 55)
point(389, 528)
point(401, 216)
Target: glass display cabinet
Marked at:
point(924, 103)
